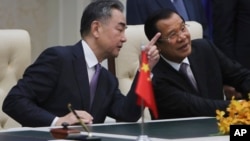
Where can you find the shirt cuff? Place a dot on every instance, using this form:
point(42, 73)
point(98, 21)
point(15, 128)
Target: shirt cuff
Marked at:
point(54, 121)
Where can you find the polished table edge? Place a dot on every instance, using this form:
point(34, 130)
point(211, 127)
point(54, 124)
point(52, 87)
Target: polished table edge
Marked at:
point(47, 129)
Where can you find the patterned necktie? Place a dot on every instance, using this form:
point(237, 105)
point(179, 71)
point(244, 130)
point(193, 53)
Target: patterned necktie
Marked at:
point(184, 70)
point(180, 7)
point(93, 82)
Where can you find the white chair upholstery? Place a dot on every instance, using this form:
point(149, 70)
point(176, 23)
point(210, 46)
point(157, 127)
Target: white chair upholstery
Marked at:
point(15, 56)
point(127, 63)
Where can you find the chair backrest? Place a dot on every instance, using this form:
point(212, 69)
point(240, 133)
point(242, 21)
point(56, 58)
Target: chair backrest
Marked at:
point(127, 63)
point(15, 56)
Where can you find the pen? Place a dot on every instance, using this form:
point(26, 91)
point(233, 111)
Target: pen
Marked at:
point(82, 123)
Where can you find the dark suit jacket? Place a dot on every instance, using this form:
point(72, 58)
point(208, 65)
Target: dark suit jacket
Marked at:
point(176, 98)
point(138, 11)
point(231, 29)
point(58, 77)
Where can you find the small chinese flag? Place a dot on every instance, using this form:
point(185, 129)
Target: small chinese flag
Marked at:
point(144, 88)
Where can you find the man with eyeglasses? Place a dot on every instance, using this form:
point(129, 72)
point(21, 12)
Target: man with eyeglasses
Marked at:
point(189, 77)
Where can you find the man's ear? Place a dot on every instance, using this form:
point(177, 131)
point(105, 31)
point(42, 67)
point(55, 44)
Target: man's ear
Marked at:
point(95, 28)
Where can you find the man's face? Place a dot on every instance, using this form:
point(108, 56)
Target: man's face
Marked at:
point(174, 43)
point(112, 35)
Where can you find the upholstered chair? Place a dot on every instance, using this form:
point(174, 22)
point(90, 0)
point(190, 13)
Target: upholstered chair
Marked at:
point(15, 56)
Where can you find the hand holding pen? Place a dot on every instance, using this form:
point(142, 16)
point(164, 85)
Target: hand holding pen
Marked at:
point(84, 126)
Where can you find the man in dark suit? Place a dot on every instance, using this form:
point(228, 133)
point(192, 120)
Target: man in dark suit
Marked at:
point(62, 75)
point(199, 92)
point(231, 28)
point(138, 10)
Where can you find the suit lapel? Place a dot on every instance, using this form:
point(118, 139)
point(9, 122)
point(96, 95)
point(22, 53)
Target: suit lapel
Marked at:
point(80, 69)
point(200, 75)
point(172, 75)
point(190, 9)
point(165, 4)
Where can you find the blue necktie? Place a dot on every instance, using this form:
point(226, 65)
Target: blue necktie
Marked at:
point(180, 7)
point(93, 83)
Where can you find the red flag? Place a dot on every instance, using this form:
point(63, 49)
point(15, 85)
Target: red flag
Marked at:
point(144, 88)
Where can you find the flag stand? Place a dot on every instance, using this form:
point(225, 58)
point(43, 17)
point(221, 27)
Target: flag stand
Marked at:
point(142, 137)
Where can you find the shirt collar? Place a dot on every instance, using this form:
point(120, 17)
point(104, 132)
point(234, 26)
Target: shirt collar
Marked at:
point(90, 57)
point(175, 65)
